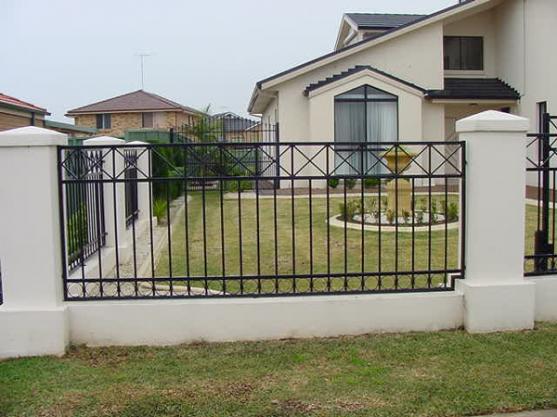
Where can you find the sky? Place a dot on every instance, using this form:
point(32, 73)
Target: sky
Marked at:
point(62, 54)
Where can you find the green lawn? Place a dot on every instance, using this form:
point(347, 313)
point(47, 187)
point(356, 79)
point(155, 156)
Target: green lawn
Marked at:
point(435, 374)
point(379, 250)
point(190, 260)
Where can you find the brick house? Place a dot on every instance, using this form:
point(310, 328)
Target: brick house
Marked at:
point(18, 113)
point(136, 110)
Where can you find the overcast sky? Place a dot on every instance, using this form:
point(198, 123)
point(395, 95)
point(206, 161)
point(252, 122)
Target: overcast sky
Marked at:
point(62, 54)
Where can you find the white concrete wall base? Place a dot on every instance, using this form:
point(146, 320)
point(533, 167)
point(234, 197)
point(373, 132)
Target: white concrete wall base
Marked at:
point(27, 332)
point(493, 307)
point(168, 322)
point(546, 298)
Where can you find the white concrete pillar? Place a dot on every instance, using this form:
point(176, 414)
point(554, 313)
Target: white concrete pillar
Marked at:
point(114, 195)
point(143, 172)
point(497, 297)
point(33, 319)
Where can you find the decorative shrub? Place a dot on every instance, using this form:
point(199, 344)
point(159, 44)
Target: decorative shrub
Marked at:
point(406, 216)
point(159, 209)
point(241, 185)
point(390, 214)
point(77, 231)
point(350, 183)
point(452, 212)
point(371, 182)
point(333, 182)
point(349, 210)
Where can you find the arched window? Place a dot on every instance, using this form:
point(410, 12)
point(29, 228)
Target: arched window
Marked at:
point(365, 114)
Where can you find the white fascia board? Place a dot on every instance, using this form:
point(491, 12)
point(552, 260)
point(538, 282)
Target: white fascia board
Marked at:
point(364, 74)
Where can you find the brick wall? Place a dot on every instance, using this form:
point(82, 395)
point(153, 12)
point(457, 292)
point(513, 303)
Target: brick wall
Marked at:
point(11, 119)
point(124, 121)
point(119, 124)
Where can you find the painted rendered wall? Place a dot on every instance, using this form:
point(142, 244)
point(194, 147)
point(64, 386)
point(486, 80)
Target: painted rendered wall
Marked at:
point(321, 108)
point(409, 57)
point(480, 24)
point(526, 58)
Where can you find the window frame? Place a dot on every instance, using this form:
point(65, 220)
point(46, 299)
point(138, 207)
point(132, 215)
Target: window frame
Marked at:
point(152, 114)
point(367, 100)
point(462, 66)
point(105, 120)
point(349, 146)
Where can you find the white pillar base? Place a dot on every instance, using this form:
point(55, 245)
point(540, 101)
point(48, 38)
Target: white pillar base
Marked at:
point(546, 297)
point(34, 332)
point(493, 307)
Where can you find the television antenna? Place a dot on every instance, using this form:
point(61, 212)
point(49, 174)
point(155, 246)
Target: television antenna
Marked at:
point(141, 59)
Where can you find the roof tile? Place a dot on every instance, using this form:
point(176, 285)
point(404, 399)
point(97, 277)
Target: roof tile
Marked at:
point(475, 88)
point(382, 21)
point(134, 101)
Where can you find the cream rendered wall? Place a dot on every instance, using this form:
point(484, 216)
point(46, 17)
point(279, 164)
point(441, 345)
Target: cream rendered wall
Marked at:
point(322, 110)
point(526, 54)
point(270, 115)
point(322, 115)
point(415, 57)
point(481, 24)
point(433, 119)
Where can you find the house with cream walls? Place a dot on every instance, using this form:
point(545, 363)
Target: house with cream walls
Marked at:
point(410, 77)
point(136, 110)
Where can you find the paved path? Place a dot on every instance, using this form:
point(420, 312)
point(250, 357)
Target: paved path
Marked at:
point(544, 413)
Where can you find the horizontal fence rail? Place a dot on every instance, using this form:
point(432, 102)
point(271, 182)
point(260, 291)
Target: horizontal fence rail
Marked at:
point(541, 167)
point(271, 219)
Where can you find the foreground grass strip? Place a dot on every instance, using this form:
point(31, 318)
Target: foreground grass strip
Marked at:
point(436, 374)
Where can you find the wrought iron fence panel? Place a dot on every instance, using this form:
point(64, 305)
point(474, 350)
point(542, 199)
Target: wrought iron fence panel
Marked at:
point(132, 209)
point(83, 219)
point(282, 219)
point(541, 167)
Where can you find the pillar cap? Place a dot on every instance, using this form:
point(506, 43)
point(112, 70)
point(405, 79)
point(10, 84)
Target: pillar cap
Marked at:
point(492, 121)
point(104, 140)
point(32, 136)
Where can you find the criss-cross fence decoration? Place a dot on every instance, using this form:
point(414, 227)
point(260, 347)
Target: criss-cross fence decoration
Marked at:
point(540, 256)
point(271, 219)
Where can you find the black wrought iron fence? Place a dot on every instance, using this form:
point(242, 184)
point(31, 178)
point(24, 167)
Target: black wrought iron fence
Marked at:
point(220, 226)
point(83, 219)
point(130, 162)
point(541, 258)
point(226, 127)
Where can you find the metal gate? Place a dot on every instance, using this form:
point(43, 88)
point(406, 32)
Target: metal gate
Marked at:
point(540, 252)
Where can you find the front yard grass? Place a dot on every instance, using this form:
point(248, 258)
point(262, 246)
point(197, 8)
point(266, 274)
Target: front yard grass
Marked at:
point(379, 250)
point(308, 256)
point(422, 374)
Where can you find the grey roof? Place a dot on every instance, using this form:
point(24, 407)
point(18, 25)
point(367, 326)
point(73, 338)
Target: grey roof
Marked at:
point(382, 21)
point(135, 101)
point(231, 122)
point(355, 70)
point(475, 88)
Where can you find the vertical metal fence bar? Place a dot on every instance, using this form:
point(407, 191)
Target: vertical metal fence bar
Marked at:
point(202, 172)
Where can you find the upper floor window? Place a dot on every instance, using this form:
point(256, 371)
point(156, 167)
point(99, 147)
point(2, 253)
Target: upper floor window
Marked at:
point(147, 120)
point(104, 121)
point(464, 53)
